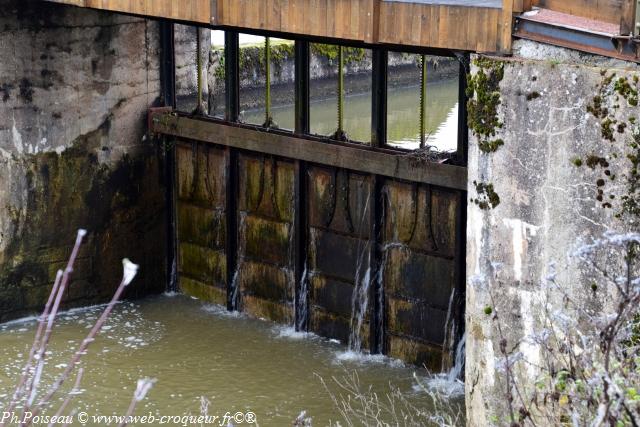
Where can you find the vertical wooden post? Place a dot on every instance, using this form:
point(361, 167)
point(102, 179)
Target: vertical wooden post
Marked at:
point(300, 222)
point(302, 55)
point(232, 111)
point(463, 129)
point(232, 75)
point(168, 93)
point(380, 58)
point(506, 27)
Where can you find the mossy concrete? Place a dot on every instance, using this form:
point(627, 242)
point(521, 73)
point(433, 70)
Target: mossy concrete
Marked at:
point(552, 178)
point(76, 85)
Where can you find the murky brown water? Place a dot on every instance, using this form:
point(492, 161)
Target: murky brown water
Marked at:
point(195, 349)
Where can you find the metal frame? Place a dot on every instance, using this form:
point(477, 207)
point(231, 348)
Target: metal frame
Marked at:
point(622, 47)
point(380, 62)
point(232, 111)
point(300, 225)
point(168, 97)
point(377, 160)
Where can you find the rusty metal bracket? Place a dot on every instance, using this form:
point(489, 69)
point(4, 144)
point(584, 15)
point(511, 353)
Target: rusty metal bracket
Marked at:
point(550, 27)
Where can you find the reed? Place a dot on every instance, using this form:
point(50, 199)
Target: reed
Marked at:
point(27, 392)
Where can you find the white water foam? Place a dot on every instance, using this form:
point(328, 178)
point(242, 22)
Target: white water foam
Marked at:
point(441, 384)
point(221, 310)
point(361, 358)
point(171, 294)
point(289, 332)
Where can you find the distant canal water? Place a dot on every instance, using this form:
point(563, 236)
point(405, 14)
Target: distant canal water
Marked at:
point(194, 349)
point(403, 125)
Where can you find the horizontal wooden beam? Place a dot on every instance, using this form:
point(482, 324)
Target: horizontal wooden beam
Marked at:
point(348, 156)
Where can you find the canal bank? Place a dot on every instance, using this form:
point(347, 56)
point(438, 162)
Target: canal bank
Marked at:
point(404, 71)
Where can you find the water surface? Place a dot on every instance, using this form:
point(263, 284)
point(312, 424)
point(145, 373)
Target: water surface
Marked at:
point(403, 119)
point(195, 349)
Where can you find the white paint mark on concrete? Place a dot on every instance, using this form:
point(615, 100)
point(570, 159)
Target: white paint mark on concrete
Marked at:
point(528, 347)
point(521, 231)
point(17, 138)
point(474, 224)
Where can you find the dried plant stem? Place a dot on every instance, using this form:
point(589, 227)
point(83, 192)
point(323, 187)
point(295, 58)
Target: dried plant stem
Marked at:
point(34, 382)
point(27, 368)
point(76, 388)
point(82, 349)
point(27, 388)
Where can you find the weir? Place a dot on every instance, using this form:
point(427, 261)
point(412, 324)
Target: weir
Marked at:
point(357, 241)
point(363, 242)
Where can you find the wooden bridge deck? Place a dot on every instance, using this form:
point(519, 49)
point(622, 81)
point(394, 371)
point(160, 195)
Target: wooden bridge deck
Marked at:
point(485, 26)
point(473, 25)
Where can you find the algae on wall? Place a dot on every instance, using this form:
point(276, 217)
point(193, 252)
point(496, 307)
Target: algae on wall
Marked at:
point(73, 153)
point(553, 174)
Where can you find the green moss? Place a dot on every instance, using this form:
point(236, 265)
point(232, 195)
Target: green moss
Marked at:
point(621, 127)
point(577, 161)
point(626, 90)
point(490, 146)
point(488, 310)
point(593, 161)
point(606, 128)
point(627, 145)
point(487, 198)
point(533, 95)
point(483, 92)
point(596, 107)
point(330, 51)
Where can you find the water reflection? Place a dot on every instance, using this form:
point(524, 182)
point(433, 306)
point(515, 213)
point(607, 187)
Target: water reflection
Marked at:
point(403, 127)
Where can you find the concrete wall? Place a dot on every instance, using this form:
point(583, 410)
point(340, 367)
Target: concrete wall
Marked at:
point(543, 156)
point(75, 85)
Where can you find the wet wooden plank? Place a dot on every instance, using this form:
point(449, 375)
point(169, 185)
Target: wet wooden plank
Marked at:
point(348, 156)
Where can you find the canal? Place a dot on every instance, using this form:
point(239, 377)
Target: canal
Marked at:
point(403, 120)
point(199, 350)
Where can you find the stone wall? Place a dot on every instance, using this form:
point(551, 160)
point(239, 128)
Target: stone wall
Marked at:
point(75, 86)
point(323, 71)
point(550, 164)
